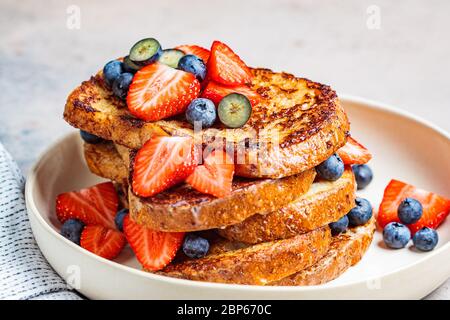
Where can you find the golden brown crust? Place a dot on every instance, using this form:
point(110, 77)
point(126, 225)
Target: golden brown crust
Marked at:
point(325, 202)
point(298, 124)
point(185, 209)
point(103, 160)
point(258, 264)
point(345, 251)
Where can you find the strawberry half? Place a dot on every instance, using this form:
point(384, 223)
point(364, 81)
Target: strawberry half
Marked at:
point(225, 66)
point(104, 242)
point(215, 92)
point(354, 153)
point(200, 52)
point(159, 91)
point(153, 249)
point(96, 205)
point(163, 162)
point(215, 177)
point(435, 207)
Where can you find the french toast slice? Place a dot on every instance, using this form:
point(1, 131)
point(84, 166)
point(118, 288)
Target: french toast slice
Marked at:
point(182, 208)
point(260, 264)
point(325, 202)
point(297, 125)
point(346, 250)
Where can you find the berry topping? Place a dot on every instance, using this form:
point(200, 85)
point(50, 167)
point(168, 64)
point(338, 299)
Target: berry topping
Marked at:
point(234, 110)
point(361, 213)
point(162, 163)
point(71, 229)
point(225, 66)
point(215, 176)
point(129, 66)
point(354, 153)
point(363, 175)
point(396, 235)
point(111, 71)
point(331, 169)
point(202, 111)
point(194, 65)
point(90, 138)
point(159, 91)
point(121, 85)
point(435, 207)
point(339, 226)
point(425, 239)
point(409, 211)
point(195, 247)
point(118, 220)
point(104, 242)
point(153, 249)
point(96, 205)
point(145, 51)
point(171, 57)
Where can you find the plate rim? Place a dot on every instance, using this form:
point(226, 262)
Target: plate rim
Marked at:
point(371, 104)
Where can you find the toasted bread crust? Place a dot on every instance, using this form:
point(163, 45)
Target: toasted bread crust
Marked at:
point(298, 124)
point(325, 202)
point(184, 209)
point(104, 161)
point(346, 250)
point(258, 264)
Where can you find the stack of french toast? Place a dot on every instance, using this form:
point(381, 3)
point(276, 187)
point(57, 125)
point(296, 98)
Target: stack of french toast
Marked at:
point(265, 217)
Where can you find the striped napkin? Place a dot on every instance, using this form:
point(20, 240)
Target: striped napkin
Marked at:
point(24, 272)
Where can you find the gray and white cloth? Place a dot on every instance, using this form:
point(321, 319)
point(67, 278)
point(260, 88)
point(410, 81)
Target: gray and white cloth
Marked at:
point(24, 272)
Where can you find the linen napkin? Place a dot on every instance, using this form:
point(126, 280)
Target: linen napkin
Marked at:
point(24, 272)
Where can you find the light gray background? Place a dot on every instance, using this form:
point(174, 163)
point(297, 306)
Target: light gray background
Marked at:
point(404, 63)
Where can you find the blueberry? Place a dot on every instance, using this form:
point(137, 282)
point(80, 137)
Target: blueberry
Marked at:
point(361, 213)
point(111, 71)
point(363, 175)
point(129, 66)
point(193, 64)
point(145, 51)
point(409, 211)
point(203, 111)
point(331, 169)
point(339, 226)
point(234, 110)
point(194, 246)
point(119, 218)
point(425, 239)
point(171, 57)
point(90, 138)
point(121, 85)
point(71, 229)
point(396, 235)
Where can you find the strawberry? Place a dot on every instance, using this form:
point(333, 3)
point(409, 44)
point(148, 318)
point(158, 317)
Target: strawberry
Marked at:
point(215, 92)
point(354, 153)
point(104, 242)
point(96, 205)
point(435, 207)
point(200, 52)
point(225, 66)
point(159, 91)
point(215, 176)
point(163, 162)
point(153, 249)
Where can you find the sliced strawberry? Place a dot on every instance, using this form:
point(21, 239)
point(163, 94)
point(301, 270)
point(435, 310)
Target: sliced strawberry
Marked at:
point(96, 205)
point(153, 249)
point(159, 91)
point(215, 92)
point(162, 163)
point(215, 176)
point(225, 66)
point(435, 207)
point(200, 52)
point(104, 242)
point(354, 153)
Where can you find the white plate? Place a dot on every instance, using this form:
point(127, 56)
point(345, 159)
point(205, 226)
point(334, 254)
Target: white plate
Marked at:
point(404, 147)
